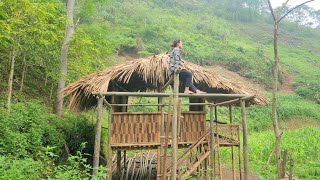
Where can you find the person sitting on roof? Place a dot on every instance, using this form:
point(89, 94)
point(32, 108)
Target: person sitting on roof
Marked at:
point(176, 62)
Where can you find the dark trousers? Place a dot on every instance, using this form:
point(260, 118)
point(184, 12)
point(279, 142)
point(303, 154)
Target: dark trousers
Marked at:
point(185, 77)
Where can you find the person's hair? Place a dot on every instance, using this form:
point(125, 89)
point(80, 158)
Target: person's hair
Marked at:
point(175, 43)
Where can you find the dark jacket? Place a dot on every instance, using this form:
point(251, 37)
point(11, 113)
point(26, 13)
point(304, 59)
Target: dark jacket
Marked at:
point(175, 60)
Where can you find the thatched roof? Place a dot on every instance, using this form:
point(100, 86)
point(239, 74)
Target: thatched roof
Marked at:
point(148, 74)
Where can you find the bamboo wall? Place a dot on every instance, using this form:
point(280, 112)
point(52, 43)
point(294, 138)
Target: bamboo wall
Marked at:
point(143, 128)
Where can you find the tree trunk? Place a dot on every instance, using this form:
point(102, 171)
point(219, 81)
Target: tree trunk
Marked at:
point(51, 92)
point(64, 57)
point(10, 81)
point(276, 21)
point(274, 100)
point(23, 72)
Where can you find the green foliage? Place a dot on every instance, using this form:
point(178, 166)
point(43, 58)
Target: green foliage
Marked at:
point(28, 129)
point(227, 33)
point(236, 34)
point(77, 168)
point(77, 129)
point(259, 117)
point(303, 142)
point(19, 168)
point(32, 141)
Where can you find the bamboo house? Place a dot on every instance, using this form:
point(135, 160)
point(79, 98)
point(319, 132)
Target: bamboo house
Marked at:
point(197, 130)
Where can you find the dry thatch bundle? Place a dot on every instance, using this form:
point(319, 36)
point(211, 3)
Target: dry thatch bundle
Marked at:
point(148, 74)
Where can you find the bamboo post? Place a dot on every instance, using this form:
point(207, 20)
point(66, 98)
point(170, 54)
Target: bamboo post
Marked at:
point(96, 153)
point(124, 159)
point(124, 100)
point(179, 122)
point(162, 134)
point(164, 163)
point(109, 145)
point(206, 166)
point(245, 138)
point(283, 164)
point(291, 166)
point(154, 94)
point(174, 126)
point(239, 154)
point(211, 144)
point(217, 142)
point(232, 147)
point(119, 163)
point(158, 163)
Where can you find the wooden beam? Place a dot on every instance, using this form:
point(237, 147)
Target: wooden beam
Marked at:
point(245, 138)
point(96, 153)
point(174, 127)
point(232, 147)
point(239, 155)
point(166, 134)
point(211, 144)
point(109, 163)
point(227, 102)
point(217, 142)
point(161, 104)
point(155, 94)
point(158, 163)
point(196, 164)
point(119, 163)
point(291, 166)
point(162, 134)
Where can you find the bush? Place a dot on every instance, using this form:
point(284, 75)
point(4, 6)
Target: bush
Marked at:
point(27, 129)
point(18, 168)
point(77, 129)
point(32, 141)
point(77, 168)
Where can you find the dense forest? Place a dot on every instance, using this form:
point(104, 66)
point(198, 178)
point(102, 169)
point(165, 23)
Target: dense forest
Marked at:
point(235, 34)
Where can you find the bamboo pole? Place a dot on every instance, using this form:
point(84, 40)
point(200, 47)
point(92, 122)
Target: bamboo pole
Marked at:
point(211, 143)
point(118, 173)
point(97, 137)
point(245, 138)
point(239, 154)
point(155, 94)
point(160, 159)
point(179, 122)
point(232, 147)
point(283, 163)
point(291, 166)
point(227, 102)
point(158, 163)
point(125, 159)
point(109, 165)
point(164, 173)
point(113, 99)
point(174, 126)
point(161, 104)
point(217, 142)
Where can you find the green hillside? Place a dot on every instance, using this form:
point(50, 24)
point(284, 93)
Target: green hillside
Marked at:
point(234, 34)
point(243, 45)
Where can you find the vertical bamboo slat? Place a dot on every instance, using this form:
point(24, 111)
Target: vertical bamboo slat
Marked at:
point(97, 137)
point(245, 139)
point(174, 126)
